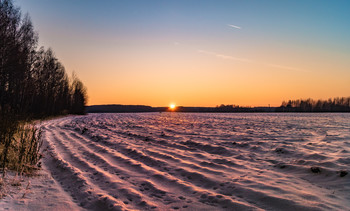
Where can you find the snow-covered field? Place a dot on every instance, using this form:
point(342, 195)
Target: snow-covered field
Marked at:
point(166, 161)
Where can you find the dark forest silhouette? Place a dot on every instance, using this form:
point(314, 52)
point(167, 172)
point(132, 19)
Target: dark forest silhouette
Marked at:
point(33, 84)
point(32, 81)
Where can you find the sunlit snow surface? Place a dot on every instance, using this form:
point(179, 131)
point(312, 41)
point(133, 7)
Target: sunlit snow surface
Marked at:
point(166, 161)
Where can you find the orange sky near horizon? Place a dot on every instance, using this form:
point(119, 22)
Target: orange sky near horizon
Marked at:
point(190, 77)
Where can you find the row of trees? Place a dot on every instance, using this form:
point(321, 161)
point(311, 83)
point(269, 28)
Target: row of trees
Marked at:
point(32, 81)
point(309, 105)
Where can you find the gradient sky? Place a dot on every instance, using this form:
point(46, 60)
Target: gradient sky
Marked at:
point(199, 53)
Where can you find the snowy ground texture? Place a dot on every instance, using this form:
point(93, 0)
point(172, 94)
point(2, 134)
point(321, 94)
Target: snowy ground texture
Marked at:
point(165, 161)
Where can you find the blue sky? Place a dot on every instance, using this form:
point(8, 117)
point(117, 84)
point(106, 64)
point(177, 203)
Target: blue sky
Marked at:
point(135, 40)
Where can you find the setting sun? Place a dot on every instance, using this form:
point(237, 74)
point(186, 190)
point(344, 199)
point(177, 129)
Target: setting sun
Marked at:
point(172, 106)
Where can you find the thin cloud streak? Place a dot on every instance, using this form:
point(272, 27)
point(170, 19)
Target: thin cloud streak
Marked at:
point(222, 56)
point(285, 67)
point(234, 26)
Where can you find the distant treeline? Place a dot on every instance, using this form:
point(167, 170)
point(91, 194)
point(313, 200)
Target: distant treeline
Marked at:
point(223, 109)
point(309, 105)
point(32, 80)
point(143, 108)
point(116, 108)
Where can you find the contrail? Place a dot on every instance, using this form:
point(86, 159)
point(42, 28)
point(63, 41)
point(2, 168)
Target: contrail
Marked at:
point(233, 26)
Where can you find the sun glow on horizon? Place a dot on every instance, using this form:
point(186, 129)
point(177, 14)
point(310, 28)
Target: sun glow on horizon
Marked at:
point(172, 106)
